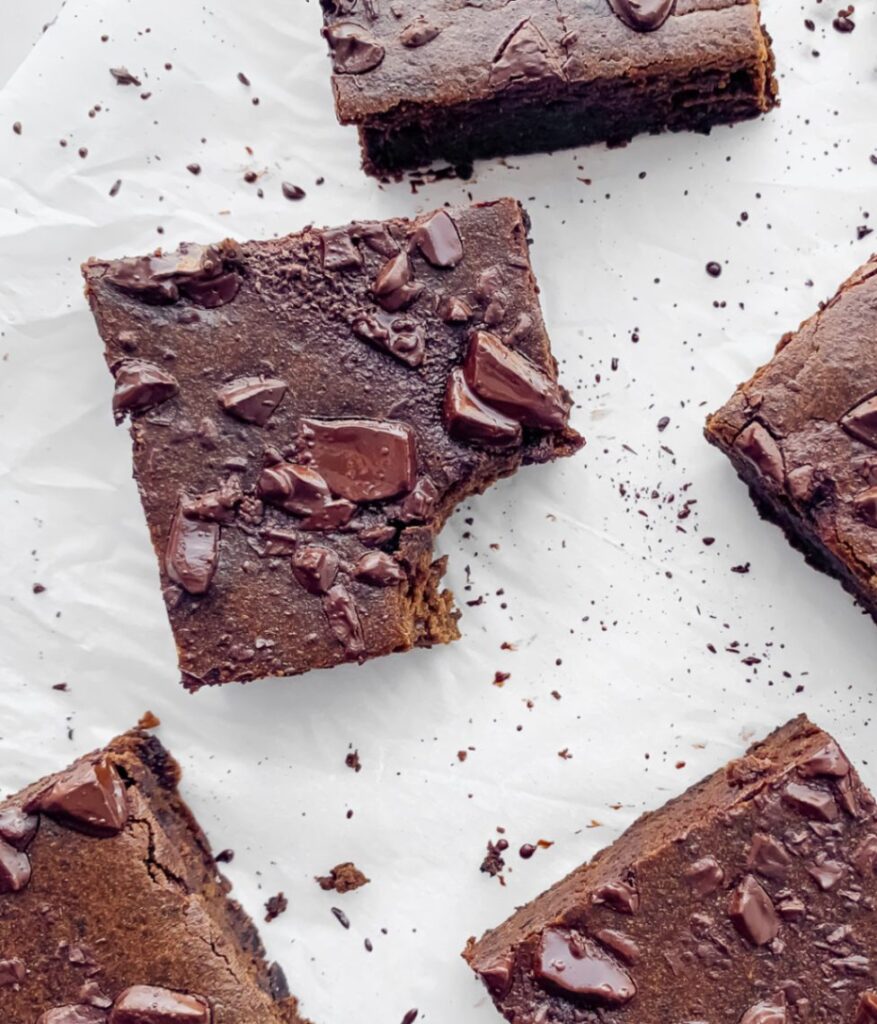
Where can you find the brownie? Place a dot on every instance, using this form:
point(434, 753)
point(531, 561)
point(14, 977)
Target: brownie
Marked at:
point(802, 433)
point(441, 79)
point(112, 910)
point(306, 412)
point(750, 899)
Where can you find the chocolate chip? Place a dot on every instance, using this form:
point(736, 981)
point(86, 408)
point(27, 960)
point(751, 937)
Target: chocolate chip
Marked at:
point(468, 419)
point(510, 383)
point(705, 876)
point(861, 422)
point(252, 399)
point(341, 917)
point(378, 570)
point(394, 287)
point(438, 240)
point(525, 54)
point(147, 1004)
point(14, 868)
point(74, 1015)
point(340, 610)
point(418, 33)
point(124, 77)
point(12, 971)
point(292, 192)
point(194, 169)
point(771, 1011)
point(762, 450)
point(812, 803)
point(354, 49)
point(18, 828)
point(89, 798)
point(192, 553)
point(575, 964)
point(141, 386)
point(752, 912)
point(618, 895)
point(297, 489)
point(768, 858)
point(315, 568)
point(363, 460)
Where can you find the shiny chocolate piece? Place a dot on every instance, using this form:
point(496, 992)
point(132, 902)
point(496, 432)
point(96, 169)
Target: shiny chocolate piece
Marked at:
point(141, 386)
point(861, 422)
point(771, 1011)
point(148, 1004)
point(763, 452)
point(420, 504)
point(339, 251)
point(768, 858)
point(578, 966)
point(354, 49)
point(378, 570)
point(829, 762)
point(812, 803)
point(297, 489)
point(211, 292)
point(526, 55)
point(252, 399)
point(619, 896)
point(16, 827)
point(74, 1014)
point(866, 506)
point(14, 868)
point(497, 976)
point(192, 553)
point(401, 337)
point(90, 798)
point(752, 912)
point(394, 287)
point(438, 240)
point(471, 421)
point(12, 971)
point(363, 460)
point(507, 381)
point(866, 1011)
point(705, 876)
point(159, 279)
point(315, 568)
point(454, 310)
point(643, 15)
point(340, 609)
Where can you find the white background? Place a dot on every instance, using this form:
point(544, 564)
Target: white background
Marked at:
point(604, 598)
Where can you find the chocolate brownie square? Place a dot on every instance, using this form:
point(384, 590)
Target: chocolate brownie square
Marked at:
point(112, 910)
point(440, 79)
point(307, 412)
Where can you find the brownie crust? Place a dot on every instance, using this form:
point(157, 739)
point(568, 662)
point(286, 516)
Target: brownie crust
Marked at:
point(123, 896)
point(458, 82)
point(750, 899)
point(801, 434)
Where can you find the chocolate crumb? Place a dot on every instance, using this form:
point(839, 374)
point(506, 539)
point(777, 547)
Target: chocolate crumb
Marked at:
point(38, 588)
point(341, 917)
point(410, 1017)
point(17, 127)
point(275, 906)
point(117, 184)
point(293, 192)
point(242, 78)
point(224, 857)
point(352, 761)
point(61, 687)
point(124, 77)
point(714, 269)
point(149, 721)
point(494, 862)
point(342, 878)
point(193, 168)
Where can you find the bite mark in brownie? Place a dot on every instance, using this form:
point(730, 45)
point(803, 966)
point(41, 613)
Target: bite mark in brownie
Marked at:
point(111, 907)
point(457, 81)
point(750, 899)
point(307, 412)
point(802, 433)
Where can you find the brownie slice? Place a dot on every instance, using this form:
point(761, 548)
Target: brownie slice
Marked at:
point(457, 81)
point(803, 435)
point(306, 413)
point(750, 899)
point(112, 910)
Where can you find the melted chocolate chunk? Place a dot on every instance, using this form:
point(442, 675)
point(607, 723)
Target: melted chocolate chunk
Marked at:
point(146, 1004)
point(865, 857)
point(252, 399)
point(77, 1014)
point(354, 49)
point(315, 568)
point(861, 422)
point(578, 966)
point(619, 896)
point(470, 420)
point(192, 554)
point(438, 240)
point(752, 912)
point(826, 872)
point(339, 251)
point(643, 15)
point(378, 570)
point(14, 868)
point(401, 337)
point(772, 1011)
point(394, 287)
point(296, 489)
point(526, 54)
point(768, 857)
point(812, 803)
point(497, 976)
point(90, 798)
point(620, 943)
point(762, 451)
point(18, 828)
point(343, 618)
point(705, 876)
point(160, 279)
point(141, 386)
point(211, 293)
point(510, 383)
point(12, 971)
point(363, 460)
point(418, 33)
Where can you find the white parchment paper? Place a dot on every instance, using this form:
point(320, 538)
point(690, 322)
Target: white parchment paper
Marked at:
point(606, 595)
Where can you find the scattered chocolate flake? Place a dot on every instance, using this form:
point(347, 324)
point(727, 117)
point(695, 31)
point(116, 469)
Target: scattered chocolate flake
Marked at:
point(242, 78)
point(124, 77)
point(148, 721)
point(293, 192)
point(114, 190)
point(224, 856)
point(275, 906)
point(352, 761)
point(17, 127)
point(714, 269)
point(844, 21)
point(741, 569)
point(341, 917)
point(61, 687)
point(494, 862)
point(410, 1017)
point(564, 754)
point(663, 423)
point(193, 168)
point(38, 588)
point(500, 678)
point(342, 878)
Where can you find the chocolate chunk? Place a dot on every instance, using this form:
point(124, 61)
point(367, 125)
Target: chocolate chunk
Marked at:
point(297, 489)
point(510, 383)
point(159, 279)
point(438, 240)
point(468, 419)
point(826, 873)
point(146, 1004)
point(338, 250)
point(402, 338)
point(575, 964)
point(376, 235)
point(828, 760)
point(418, 33)
point(14, 868)
point(705, 876)
point(865, 505)
point(768, 858)
point(619, 896)
point(866, 1011)
point(526, 54)
point(760, 448)
point(394, 287)
point(192, 553)
point(343, 619)
point(420, 503)
point(752, 912)
point(861, 422)
point(865, 857)
point(378, 570)
point(454, 310)
point(140, 386)
point(354, 49)
point(12, 971)
point(18, 828)
point(77, 1014)
point(497, 976)
point(252, 399)
point(90, 798)
point(771, 1011)
point(215, 506)
point(620, 943)
point(315, 568)
point(332, 516)
point(363, 460)
point(645, 16)
point(212, 292)
point(812, 803)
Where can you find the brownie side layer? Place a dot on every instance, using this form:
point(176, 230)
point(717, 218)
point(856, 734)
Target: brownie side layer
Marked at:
point(135, 904)
point(795, 435)
point(750, 898)
point(542, 75)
